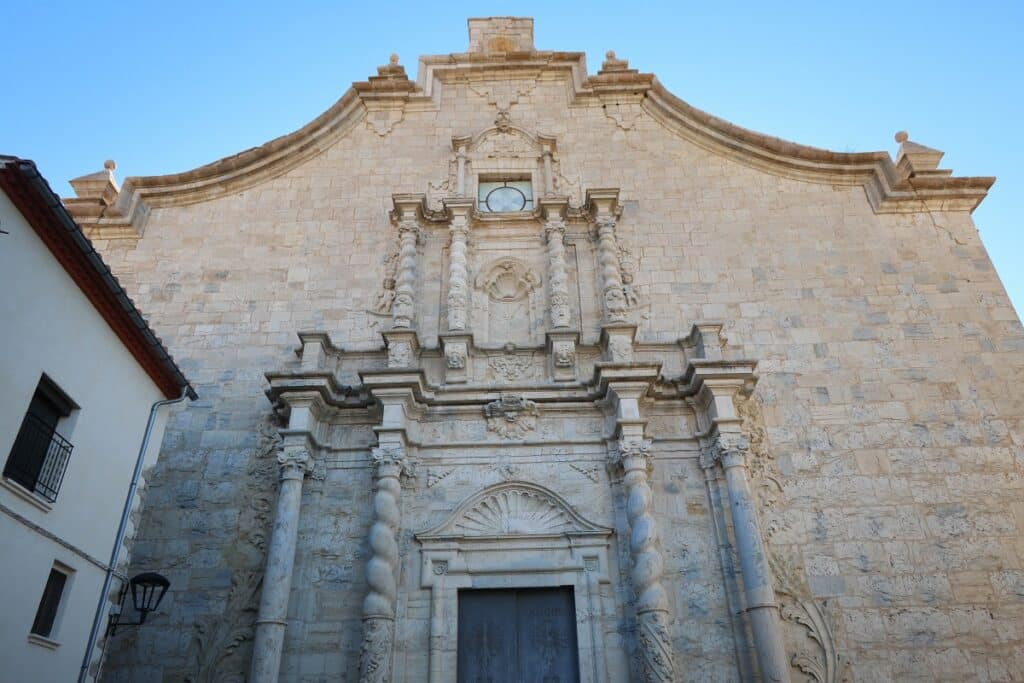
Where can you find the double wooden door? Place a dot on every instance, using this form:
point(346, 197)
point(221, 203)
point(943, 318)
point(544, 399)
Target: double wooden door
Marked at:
point(518, 636)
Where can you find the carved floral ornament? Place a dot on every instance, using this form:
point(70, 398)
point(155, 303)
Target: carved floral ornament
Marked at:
point(393, 456)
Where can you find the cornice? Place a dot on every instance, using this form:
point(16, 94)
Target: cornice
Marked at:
point(889, 188)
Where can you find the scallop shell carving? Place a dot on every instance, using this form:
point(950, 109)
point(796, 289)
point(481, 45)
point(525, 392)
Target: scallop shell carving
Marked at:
point(514, 512)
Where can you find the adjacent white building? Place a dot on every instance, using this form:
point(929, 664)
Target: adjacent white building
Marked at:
point(80, 371)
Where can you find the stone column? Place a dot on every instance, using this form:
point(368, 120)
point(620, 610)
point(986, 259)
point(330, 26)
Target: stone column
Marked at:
point(558, 281)
point(460, 177)
point(730, 449)
point(382, 569)
point(652, 608)
point(403, 309)
point(603, 208)
point(295, 463)
point(458, 275)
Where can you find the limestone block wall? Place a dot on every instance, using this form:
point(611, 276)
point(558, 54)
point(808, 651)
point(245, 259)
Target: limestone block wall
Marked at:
point(890, 362)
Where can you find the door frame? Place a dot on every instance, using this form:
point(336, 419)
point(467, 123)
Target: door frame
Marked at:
point(577, 556)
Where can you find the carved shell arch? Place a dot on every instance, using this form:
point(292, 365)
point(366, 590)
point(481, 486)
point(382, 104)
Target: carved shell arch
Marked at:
point(513, 508)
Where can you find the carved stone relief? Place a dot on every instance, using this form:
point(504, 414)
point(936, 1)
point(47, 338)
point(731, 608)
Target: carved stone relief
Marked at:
point(508, 368)
point(815, 653)
point(511, 417)
point(508, 305)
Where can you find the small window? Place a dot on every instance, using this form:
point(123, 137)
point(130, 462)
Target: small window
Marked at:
point(49, 604)
point(40, 454)
point(505, 196)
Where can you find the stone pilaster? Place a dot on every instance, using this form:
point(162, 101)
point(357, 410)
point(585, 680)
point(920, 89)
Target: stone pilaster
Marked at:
point(295, 463)
point(390, 464)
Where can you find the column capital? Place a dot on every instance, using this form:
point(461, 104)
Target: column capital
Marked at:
point(602, 205)
point(630, 453)
point(294, 462)
point(727, 448)
point(393, 460)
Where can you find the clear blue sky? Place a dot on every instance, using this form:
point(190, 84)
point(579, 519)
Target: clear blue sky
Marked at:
point(164, 87)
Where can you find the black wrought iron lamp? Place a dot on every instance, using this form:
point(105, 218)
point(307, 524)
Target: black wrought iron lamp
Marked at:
point(147, 591)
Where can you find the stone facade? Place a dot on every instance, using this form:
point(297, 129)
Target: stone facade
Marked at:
point(759, 404)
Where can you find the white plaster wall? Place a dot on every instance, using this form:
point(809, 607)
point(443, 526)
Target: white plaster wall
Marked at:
point(50, 326)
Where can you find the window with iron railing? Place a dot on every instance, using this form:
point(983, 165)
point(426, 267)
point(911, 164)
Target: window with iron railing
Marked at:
point(40, 454)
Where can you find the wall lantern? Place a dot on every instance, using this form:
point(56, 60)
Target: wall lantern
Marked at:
point(147, 590)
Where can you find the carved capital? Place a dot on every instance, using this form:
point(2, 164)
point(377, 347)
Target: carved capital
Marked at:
point(409, 229)
point(393, 460)
point(729, 448)
point(631, 453)
point(294, 462)
point(554, 228)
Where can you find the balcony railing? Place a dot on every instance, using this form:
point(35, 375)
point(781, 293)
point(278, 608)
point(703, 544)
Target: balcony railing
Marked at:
point(39, 458)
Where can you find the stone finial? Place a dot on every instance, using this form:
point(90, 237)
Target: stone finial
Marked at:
point(491, 35)
point(94, 192)
point(914, 159)
point(614, 64)
point(393, 59)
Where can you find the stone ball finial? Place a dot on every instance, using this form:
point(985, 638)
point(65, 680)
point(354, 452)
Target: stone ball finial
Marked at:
point(902, 136)
point(109, 164)
point(610, 55)
point(393, 59)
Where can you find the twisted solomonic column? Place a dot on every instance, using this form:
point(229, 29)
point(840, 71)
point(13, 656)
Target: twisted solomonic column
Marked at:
point(652, 607)
point(614, 298)
point(458, 286)
point(382, 569)
point(295, 463)
point(403, 309)
point(730, 449)
point(558, 281)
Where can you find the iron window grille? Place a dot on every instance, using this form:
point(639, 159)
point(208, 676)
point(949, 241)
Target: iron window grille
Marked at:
point(39, 458)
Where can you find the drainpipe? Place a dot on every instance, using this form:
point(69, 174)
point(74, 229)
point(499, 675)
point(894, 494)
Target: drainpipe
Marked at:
point(101, 607)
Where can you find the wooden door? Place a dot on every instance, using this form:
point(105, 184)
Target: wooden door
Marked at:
point(517, 636)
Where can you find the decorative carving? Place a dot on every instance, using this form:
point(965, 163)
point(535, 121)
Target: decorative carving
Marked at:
point(404, 303)
point(510, 368)
point(439, 567)
point(219, 636)
point(399, 354)
point(294, 462)
point(435, 476)
point(511, 417)
point(375, 655)
point(455, 357)
point(590, 473)
point(627, 270)
point(633, 455)
point(381, 570)
point(565, 354)
point(458, 275)
point(386, 296)
point(507, 280)
point(513, 508)
point(608, 266)
point(816, 656)
point(620, 348)
point(503, 121)
point(554, 232)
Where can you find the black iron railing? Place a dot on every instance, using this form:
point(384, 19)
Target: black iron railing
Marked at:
point(39, 457)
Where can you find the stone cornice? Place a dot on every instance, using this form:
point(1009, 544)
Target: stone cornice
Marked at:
point(889, 188)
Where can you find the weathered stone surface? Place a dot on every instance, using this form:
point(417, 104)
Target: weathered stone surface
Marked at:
point(885, 431)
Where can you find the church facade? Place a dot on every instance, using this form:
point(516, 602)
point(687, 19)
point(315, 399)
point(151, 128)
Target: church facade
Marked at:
point(521, 372)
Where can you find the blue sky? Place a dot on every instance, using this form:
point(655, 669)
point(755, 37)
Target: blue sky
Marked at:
point(164, 87)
